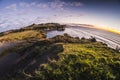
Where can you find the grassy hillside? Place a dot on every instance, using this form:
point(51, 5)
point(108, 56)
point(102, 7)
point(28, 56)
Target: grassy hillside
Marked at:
point(82, 62)
point(46, 26)
point(60, 58)
point(29, 32)
point(43, 27)
point(24, 35)
point(73, 60)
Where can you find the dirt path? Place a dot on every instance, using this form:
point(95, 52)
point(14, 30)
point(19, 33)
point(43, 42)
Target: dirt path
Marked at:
point(7, 45)
point(8, 60)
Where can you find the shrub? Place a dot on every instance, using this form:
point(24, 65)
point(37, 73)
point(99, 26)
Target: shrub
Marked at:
point(93, 39)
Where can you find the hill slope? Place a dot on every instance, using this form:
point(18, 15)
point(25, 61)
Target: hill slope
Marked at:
point(60, 58)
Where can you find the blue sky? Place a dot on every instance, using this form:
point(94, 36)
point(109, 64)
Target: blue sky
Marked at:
point(19, 13)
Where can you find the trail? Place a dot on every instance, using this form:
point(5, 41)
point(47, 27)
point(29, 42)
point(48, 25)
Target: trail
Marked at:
point(8, 60)
point(6, 45)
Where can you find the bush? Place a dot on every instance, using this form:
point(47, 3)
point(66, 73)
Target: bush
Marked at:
point(93, 39)
point(65, 39)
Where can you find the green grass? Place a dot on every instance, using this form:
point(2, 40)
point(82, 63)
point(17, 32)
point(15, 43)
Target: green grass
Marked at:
point(25, 35)
point(76, 59)
point(93, 61)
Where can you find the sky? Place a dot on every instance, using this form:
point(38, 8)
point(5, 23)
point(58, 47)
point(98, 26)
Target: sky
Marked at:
point(19, 13)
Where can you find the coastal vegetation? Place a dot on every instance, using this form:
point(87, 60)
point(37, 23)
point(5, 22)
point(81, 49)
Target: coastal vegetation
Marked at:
point(61, 58)
point(31, 34)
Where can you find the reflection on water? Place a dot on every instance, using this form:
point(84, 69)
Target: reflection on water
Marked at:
point(100, 35)
point(69, 31)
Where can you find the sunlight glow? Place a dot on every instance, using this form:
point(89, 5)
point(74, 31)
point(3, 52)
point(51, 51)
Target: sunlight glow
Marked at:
point(107, 29)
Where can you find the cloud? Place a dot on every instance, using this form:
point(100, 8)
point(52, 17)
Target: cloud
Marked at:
point(25, 4)
point(12, 7)
point(57, 4)
point(24, 13)
point(61, 5)
point(34, 5)
point(42, 6)
point(77, 4)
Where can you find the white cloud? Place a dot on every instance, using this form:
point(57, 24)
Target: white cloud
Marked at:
point(27, 13)
point(77, 4)
point(12, 7)
point(57, 4)
point(33, 4)
point(24, 4)
point(42, 6)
